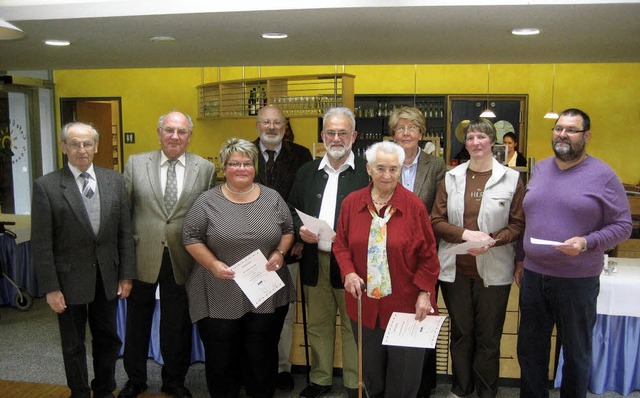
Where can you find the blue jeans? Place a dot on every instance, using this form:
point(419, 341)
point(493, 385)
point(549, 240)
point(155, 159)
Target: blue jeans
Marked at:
point(570, 304)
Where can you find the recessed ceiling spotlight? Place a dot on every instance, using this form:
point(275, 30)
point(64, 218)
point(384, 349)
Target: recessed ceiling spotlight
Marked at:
point(162, 39)
point(273, 35)
point(58, 43)
point(525, 31)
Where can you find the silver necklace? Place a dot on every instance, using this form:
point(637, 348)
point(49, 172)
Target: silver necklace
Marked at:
point(237, 192)
point(382, 203)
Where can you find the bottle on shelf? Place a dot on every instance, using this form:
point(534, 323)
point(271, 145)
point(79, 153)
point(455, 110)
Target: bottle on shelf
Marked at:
point(252, 102)
point(263, 96)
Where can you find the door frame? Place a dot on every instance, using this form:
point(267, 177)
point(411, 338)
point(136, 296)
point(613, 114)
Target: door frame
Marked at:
point(482, 98)
point(68, 114)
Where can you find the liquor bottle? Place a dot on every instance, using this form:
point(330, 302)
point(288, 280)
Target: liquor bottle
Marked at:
point(252, 102)
point(258, 100)
point(263, 96)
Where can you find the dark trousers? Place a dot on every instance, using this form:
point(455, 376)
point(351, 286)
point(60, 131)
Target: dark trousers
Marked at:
point(242, 351)
point(570, 304)
point(175, 328)
point(477, 318)
point(388, 371)
point(105, 345)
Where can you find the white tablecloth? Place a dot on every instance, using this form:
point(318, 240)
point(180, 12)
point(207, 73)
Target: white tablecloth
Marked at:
point(619, 291)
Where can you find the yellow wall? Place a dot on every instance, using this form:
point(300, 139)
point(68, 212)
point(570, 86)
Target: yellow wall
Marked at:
point(607, 92)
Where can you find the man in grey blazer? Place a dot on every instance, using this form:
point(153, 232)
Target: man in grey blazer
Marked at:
point(162, 185)
point(83, 253)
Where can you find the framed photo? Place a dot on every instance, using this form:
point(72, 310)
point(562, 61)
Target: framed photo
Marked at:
point(500, 153)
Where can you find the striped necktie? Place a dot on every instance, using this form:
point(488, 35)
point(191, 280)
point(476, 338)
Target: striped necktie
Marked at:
point(87, 191)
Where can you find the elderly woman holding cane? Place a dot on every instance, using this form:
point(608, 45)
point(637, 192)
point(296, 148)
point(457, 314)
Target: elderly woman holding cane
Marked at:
point(384, 237)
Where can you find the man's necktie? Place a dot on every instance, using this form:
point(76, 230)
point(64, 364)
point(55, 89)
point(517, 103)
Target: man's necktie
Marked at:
point(87, 191)
point(270, 166)
point(171, 190)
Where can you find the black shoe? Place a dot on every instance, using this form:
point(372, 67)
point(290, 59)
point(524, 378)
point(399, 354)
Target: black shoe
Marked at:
point(314, 391)
point(352, 392)
point(131, 390)
point(177, 391)
point(284, 381)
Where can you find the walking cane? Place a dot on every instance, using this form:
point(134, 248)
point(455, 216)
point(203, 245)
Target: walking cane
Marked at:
point(361, 387)
point(304, 331)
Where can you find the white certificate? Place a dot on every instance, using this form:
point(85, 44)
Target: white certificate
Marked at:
point(463, 247)
point(256, 282)
point(403, 330)
point(317, 226)
point(536, 241)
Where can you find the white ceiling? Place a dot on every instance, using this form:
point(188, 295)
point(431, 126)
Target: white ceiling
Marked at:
point(115, 33)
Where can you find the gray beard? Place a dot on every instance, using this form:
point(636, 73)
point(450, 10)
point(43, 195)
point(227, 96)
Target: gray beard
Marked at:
point(337, 154)
point(566, 152)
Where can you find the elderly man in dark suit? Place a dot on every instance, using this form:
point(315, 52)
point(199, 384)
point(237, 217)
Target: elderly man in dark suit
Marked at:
point(83, 253)
point(162, 185)
point(277, 169)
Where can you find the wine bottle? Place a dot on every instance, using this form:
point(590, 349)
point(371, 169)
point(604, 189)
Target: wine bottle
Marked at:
point(252, 102)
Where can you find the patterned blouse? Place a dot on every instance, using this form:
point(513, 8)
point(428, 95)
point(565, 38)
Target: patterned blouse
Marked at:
point(232, 231)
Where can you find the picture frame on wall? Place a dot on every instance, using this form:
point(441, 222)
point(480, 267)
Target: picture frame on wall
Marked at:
point(500, 153)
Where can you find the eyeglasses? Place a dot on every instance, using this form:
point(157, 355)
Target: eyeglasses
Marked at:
point(267, 123)
point(568, 130)
point(341, 134)
point(410, 128)
point(237, 165)
point(76, 145)
point(171, 131)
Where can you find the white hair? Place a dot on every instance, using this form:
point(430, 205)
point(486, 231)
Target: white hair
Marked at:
point(384, 147)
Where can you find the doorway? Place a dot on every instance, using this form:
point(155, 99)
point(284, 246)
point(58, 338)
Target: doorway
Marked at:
point(511, 116)
point(105, 115)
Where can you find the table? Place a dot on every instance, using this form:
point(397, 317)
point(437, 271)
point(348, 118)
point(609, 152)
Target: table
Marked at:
point(197, 349)
point(615, 360)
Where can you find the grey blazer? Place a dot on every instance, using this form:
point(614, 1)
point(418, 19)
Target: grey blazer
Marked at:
point(65, 251)
point(430, 173)
point(153, 227)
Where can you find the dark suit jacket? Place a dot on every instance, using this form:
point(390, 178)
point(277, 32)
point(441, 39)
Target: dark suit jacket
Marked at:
point(306, 196)
point(153, 227)
point(289, 160)
point(65, 251)
point(430, 173)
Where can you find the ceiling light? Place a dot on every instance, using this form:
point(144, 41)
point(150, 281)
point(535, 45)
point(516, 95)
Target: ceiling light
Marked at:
point(9, 31)
point(161, 39)
point(552, 114)
point(274, 35)
point(58, 43)
point(488, 112)
point(525, 31)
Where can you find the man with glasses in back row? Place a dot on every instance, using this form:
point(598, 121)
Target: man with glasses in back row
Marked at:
point(162, 186)
point(318, 190)
point(277, 169)
point(578, 200)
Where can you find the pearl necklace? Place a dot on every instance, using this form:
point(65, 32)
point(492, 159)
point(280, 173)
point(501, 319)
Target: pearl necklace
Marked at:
point(237, 192)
